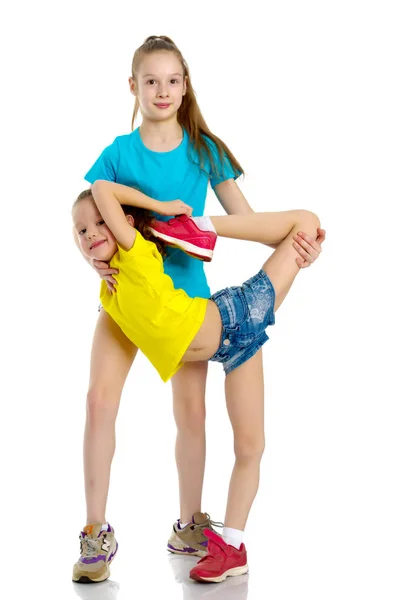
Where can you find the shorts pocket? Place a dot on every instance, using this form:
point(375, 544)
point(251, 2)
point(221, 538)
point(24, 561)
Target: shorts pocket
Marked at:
point(236, 306)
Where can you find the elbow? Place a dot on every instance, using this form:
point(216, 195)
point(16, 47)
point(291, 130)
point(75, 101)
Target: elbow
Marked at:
point(97, 186)
point(100, 186)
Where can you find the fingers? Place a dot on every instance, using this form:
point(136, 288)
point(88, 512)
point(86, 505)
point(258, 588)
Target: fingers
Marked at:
point(103, 270)
point(107, 276)
point(307, 242)
point(301, 263)
point(110, 287)
point(109, 279)
point(99, 264)
point(111, 283)
point(308, 248)
point(187, 210)
point(106, 272)
point(183, 208)
point(305, 254)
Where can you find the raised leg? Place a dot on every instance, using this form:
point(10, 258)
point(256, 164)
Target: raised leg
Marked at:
point(272, 228)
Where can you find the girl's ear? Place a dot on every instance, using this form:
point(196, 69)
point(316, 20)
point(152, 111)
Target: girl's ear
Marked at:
point(132, 86)
point(184, 86)
point(130, 220)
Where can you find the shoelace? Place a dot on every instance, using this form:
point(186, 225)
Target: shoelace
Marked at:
point(89, 547)
point(208, 523)
point(213, 523)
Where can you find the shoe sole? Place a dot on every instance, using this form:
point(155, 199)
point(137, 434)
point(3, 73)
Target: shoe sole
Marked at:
point(199, 553)
point(230, 573)
point(177, 546)
point(85, 579)
point(191, 249)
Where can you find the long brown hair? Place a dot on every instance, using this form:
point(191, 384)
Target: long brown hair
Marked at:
point(189, 113)
point(141, 217)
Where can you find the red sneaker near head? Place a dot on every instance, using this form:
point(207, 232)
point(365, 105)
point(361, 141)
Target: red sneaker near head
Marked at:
point(221, 560)
point(182, 232)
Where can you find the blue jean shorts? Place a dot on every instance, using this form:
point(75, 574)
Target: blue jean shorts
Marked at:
point(246, 311)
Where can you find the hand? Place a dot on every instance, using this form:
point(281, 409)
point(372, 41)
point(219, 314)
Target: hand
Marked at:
point(308, 249)
point(103, 269)
point(174, 207)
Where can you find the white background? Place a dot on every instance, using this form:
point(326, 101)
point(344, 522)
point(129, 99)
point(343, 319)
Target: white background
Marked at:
point(306, 94)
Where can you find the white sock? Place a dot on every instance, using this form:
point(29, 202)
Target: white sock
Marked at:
point(204, 223)
point(233, 537)
point(182, 525)
point(104, 527)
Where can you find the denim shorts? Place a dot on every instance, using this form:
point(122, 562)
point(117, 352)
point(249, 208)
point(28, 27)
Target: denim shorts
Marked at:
point(246, 311)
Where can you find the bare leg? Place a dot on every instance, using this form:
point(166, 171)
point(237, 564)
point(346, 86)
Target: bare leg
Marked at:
point(111, 359)
point(188, 388)
point(244, 389)
point(272, 228)
point(281, 266)
point(244, 386)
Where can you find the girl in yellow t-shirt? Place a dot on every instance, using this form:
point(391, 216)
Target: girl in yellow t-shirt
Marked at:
point(172, 328)
point(165, 323)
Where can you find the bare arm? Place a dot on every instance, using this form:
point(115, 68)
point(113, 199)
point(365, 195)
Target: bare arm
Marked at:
point(233, 200)
point(109, 196)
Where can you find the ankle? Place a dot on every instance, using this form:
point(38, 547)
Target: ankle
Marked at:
point(233, 537)
point(186, 516)
point(182, 524)
point(92, 521)
point(204, 223)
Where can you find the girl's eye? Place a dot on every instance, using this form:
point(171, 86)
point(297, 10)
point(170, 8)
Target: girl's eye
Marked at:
point(82, 231)
point(151, 81)
point(100, 222)
point(174, 80)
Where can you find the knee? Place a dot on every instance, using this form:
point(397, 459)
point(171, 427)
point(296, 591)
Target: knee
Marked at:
point(98, 404)
point(308, 221)
point(249, 449)
point(190, 417)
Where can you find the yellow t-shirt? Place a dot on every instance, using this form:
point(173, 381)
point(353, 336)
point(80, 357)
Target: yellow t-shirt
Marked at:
point(159, 319)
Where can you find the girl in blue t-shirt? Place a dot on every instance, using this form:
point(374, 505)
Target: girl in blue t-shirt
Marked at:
point(172, 155)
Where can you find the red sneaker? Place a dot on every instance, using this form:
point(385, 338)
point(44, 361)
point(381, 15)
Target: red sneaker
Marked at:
point(221, 560)
point(182, 232)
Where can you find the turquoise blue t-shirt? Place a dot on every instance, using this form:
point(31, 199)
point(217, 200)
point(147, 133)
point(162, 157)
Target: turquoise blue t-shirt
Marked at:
point(165, 176)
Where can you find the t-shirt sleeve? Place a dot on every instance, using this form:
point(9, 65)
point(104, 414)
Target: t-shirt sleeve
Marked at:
point(224, 169)
point(126, 255)
point(140, 246)
point(106, 166)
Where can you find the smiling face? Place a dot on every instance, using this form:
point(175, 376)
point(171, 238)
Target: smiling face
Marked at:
point(95, 238)
point(159, 85)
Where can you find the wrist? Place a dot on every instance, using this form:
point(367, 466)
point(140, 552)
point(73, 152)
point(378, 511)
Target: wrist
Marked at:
point(157, 206)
